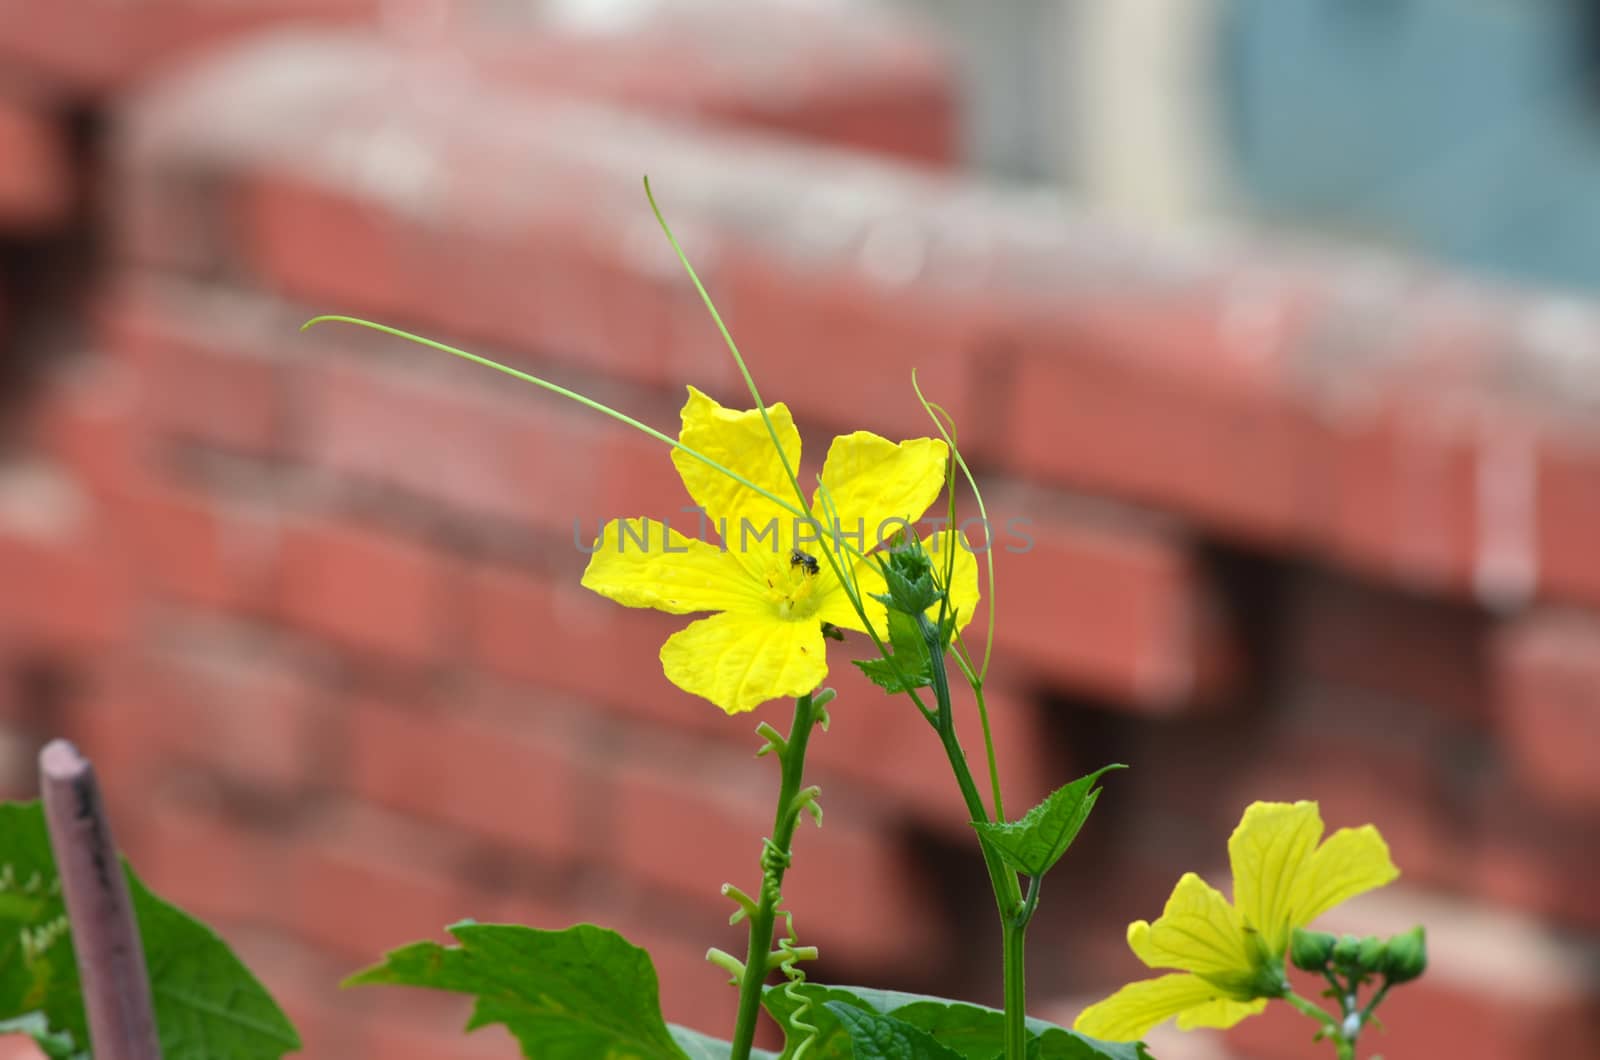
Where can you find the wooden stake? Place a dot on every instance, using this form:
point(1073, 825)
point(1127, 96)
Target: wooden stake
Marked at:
point(116, 986)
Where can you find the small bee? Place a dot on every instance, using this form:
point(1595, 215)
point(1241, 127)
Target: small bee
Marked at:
point(803, 559)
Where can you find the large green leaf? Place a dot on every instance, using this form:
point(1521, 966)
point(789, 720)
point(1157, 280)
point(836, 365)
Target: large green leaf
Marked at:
point(875, 1036)
point(971, 1031)
point(576, 994)
point(1035, 843)
point(207, 1004)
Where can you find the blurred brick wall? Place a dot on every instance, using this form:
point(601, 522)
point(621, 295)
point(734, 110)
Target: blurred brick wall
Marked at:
point(1307, 525)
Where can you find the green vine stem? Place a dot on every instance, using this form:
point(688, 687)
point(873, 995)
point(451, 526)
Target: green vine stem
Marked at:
point(1015, 913)
point(793, 800)
point(1332, 1026)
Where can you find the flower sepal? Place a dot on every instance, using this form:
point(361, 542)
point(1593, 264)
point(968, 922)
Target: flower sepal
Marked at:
point(1263, 978)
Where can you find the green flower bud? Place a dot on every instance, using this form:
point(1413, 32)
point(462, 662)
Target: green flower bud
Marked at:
point(908, 575)
point(1406, 956)
point(1347, 951)
point(1372, 954)
point(1310, 950)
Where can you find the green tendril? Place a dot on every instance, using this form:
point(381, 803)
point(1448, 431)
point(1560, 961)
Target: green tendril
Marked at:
point(789, 957)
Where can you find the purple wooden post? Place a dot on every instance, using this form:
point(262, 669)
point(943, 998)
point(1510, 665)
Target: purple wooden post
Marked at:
point(116, 987)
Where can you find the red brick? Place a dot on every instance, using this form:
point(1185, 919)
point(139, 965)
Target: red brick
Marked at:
point(1545, 495)
point(1547, 705)
point(1564, 512)
point(446, 436)
point(37, 183)
point(260, 720)
point(1148, 396)
point(86, 419)
point(1412, 652)
point(364, 590)
point(314, 247)
point(501, 779)
point(359, 884)
point(66, 585)
point(696, 827)
point(1403, 496)
point(203, 550)
point(1112, 607)
point(19, 769)
point(195, 856)
point(1422, 461)
point(807, 331)
point(562, 637)
point(208, 370)
point(94, 45)
point(1526, 859)
point(112, 719)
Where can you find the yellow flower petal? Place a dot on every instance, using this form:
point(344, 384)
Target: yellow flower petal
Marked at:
point(1198, 931)
point(1269, 852)
point(645, 563)
point(1220, 1014)
point(753, 527)
point(963, 587)
point(874, 484)
point(1129, 1013)
point(833, 603)
point(1351, 862)
point(741, 661)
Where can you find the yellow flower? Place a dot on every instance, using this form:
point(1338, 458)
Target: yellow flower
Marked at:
point(1230, 957)
point(766, 642)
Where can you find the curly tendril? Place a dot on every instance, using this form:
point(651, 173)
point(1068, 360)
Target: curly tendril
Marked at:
point(789, 958)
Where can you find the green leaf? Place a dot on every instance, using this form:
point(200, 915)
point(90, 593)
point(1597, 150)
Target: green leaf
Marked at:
point(207, 1004)
point(1036, 842)
point(910, 653)
point(878, 1037)
point(971, 1031)
point(576, 994)
point(704, 1047)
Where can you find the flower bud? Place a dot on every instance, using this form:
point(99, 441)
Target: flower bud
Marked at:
point(1406, 956)
point(1372, 954)
point(1347, 951)
point(1310, 950)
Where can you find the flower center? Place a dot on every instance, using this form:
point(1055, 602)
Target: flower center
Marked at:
point(791, 588)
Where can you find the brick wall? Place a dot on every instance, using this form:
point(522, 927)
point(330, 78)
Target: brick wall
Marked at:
point(1307, 523)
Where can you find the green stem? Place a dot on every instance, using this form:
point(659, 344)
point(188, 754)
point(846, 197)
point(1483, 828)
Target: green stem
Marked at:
point(1016, 988)
point(791, 760)
point(1007, 891)
point(1332, 1025)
